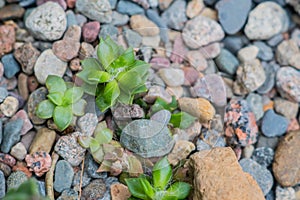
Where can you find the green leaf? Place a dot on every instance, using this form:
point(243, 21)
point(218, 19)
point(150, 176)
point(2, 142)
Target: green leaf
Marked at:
point(182, 120)
point(94, 145)
point(84, 141)
point(162, 173)
point(55, 84)
point(72, 95)
point(45, 109)
point(140, 89)
point(179, 189)
point(89, 89)
point(125, 60)
point(98, 155)
point(89, 64)
point(108, 96)
point(136, 189)
point(161, 104)
point(62, 117)
point(99, 76)
point(124, 97)
point(148, 189)
point(79, 107)
point(56, 98)
point(104, 136)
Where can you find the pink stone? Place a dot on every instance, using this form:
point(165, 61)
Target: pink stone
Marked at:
point(27, 125)
point(179, 50)
point(39, 162)
point(7, 159)
point(159, 62)
point(90, 31)
point(71, 3)
point(190, 75)
point(62, 3)
point(293, 125)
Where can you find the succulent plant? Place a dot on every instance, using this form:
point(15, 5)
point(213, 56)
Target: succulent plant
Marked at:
point(114, 76)
point(64, 101)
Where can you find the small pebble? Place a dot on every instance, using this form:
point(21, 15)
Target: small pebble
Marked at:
point(11, 11)
point(16, 179)
point(265, 52)
point(34, 99)
point(286, 108)
point(285, 193)
point(175, 16)
point(65, 50)
point(256, 104)
point(263, 156)
point(90, 31)
point(22, 86)
point(172, 77)
point(27, 125)
point(248, 53)
point(95, 10)
point(143, 25)
point(227, 62)
point(273, 124)
point(68, 194)
point(11, 134)
point(63, 176)
point(9, 106)
point(11, 66)
point(18, 151)
point(3, 94)
point(43, 141)
point(129, 8)
point(119, 19)
point(95, 190)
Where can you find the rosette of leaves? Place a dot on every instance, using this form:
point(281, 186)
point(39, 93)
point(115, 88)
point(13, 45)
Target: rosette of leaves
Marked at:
point(64, 101)
point(109, 153)
point(160, 186)
point(114, 76)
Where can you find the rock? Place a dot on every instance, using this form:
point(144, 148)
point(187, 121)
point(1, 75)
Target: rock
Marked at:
point(90, 31)
point(248, 53)
point(265, 52)
point(140, 135)
point(235, 43)
point(91, 167)
point(18, 151)
point(27, 125)
point(65, 50)
point(34, 99)
point(248, 151)
point(240, 123)
point(69, 194)
point(163, 28)
point(172, 77)
point(63, 176)
point(32, 83)
point(190, 75)
point(43, 141)
point(5, 169)
point(285, 193)
point(273, 124)
point(2, 184)
point(255, 103)
point(84, 180)
point(62, 3)
point(11, 66)
point(275, 40)
point(286, 108)
point(39, 162)
point(108, 29)
point(211, 169)
point(124, 114)
point(180, 151)
point(175, 15)
point(119, 192)
point(95, 10)
point(23, 86)
point(269, 83)
point(263, 156)
point(267, 142)
point(27, 139)
point(295, 4)
point(95, 190)
point(16, 179)
point(151, 41)
point(21, 166)
point(11, 134)
point(227, 62)
point(47, 22)
point(199, 107)
point(162, 116)
point(3, 94)
point(132, 38)
point(9, 106)
point(129, 8)
point(157, 91)
point(7, 159)
point(179, 50)
point(71, 18)
point(265, 21)
point(68, 148)
point(143, 26)
point(197, 60)
point(201, 31)
point(11, 11)
point(119, 19)
point(286, 159)
point(47, 64)
point(87, 123)
point(194, 8)
point(233, 14)
point(286, 52)
point(7, 39)
point(159, 62)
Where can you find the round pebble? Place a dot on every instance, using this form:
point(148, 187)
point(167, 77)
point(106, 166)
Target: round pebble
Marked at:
point(18, 151)
point(95, 10)
point(175, 16)
point(129, 8)
point(63, 176)
point(273, 124)
point(227, 62)
point(16, 179)
point(172, 77)
point(256, 104)
point(9, 106)
point(263, 156)
point(265, 52)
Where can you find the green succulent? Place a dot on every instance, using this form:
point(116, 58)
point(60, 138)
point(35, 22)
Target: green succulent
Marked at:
point(63, 102)
point(114, 76)
point(160, 187)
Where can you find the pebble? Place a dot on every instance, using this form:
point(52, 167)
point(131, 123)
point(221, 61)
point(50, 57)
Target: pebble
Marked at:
point(7, 39)
point(62, 3)
point(286, 53)
point(267, 142)
point(255, 103)
point(43, 141)
point(286, 108)
point(175, 16)
point(227, 62)
point(247, 151)
point(234, 43)
point(11, 11)
point(190, 75)
point(68, 148)
point(172, 77)
point(47, 64)
point(273, 124)
point(163, 28)
point(119, 19)
point(119, 192)
point(87, 124)
point(285, 193)
point(157, 91)
point(265, 21)
point(212, 172)
point(286, 159)
point(132, 38)
point(11, 134)
point(270, 78)
point(16, 179)
point(27, 125)
point(9, 106)
point(34, 99)
point(196, 60)
point(180, 151)
point(39, 162)
point(65, 50)
point(22, 86)
point(248, 53)
point(2, 184)
point(3, 94)
point(265, 52)
point(95, 190)
point(194, 8)
point(11, 66)
point(288, 83)
point(263, 156)
point(296, 36)
point(143, 25)
point(63, 176)
point(240, 123)
point(7, 159)
point(179, 50)
point(129, 8)
point(295, 4)
point(108, 29)
point(95, 10)
point(71, 18)
point(18, 151)
point(262, 176)
point(232, 14)
point(5, 169)
point(91, 167)
point(27, 139)
point(85, 179)
point(275, 40)
point(140, 135)
point(152, 41)
point(68, 194)
point(90, 31)
point(201, 31)
point(159, 62)
point(47, 22)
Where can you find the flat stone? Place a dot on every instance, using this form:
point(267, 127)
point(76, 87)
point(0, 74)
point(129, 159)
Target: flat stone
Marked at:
point(16, 179)
point(95, 190)
point(43, 141)
point(235, 42)
point(286, 108)
point(211, 169)
point(143, 26)
point(175, 15)
point(63, 176)
point(18, 151)
point(227, 62)
point(95, 10)
point(172, 77)
point(23, 86)
point(263, 156)
point(66, 50)
point(11, 66)
point(180, 151)
point(9, 106)
point(11, 134)
point(273, 124)
point(287, 159)
point(34, 99)
point(27, 125)
point(47, 22)
point(7, 39)
point(47, 64)
point(129, 8)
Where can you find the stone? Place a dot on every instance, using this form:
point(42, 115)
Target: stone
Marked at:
point(3, 94)
point(265, 52)
point(2, 184)
point(143, 26)
point(265, 21)
point(11, 66)
point(119, 19)
point(132, 38)
point(22, 86)
point(286, 51)
point(21, 166)
point(263, 156)
point(63, 176)
point(71, 18)
point(34, 99)
point(7, 39)
point(84, 180)
point(232, 14)
point(129, 8)
point(11, 134)
point(95, 10)
point(295, 4)
point(162, 116)
point(248, 151)
point(194, 8)
point(27, 139)
point(68, 194)
point(11, 11)
point(5, 169)
point(68, 148)
point(91, 167)
point(248, 53)
point(285, 193)
point(269, 83)
point(95, 190)
point(286, 108)
point(27, 125)
point(47, 64)
point(119, 192)
point(197, 60)
point(275, 40)
point(273, 124)
point(264, 141)
point(87, 123)
point(286, 159)
point(62, 3)
point(139, 136)
point(18, 151)
point(15, 179)
point(190, 75)
point(159, 62)
point(124, 114)
point(261, 175)
point(179, 50)
point(175, 15)
point(9, 106)
point(172, 77)
point(7, 159)
point(47, 22)
point(154, 16)
point(90, 31)
point(211, 169)
point(157, 91)
point(255, 103)
point(65, 50)
point(240, 124)
point(227, 62)
point(151, 41)
point(201, 31)
point(39, 162)
point(234, 43)
point(43, 141)
point(180, 151)
point(108, 29)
